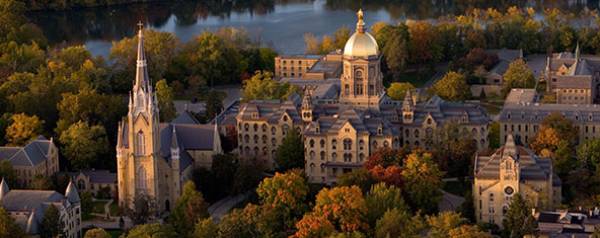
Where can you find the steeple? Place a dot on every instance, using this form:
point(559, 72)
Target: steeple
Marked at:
point(307, 106)
point(141, 72)
point(3, 189)
point(217, 148)
point(360, 24)
point(32, 224)
point(577, 53)
point(71, 193)
point(510, 148)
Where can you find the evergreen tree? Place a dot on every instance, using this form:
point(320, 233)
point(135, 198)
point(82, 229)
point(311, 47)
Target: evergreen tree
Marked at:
point(52, 225)
point(290, 154)
point(164, 93)
point(518, 220)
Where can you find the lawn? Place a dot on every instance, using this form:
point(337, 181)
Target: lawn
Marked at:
point(114, 208)
point(98, 206)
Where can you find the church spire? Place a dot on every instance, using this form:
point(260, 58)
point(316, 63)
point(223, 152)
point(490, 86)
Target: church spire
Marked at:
point(141, 73)
point(577, 53)
point(217, 148)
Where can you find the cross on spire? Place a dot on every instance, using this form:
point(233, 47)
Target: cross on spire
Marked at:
point(140, 25)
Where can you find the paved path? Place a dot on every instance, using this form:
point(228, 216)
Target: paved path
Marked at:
point(223, 206)
point(449, 202)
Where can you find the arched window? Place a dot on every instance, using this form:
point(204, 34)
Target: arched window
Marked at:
point(361, 157)
point(255, 139)
point(347, 144)
point(264, 127)
point(416, 133)
point(312, 167)
point(322, 142)
point(140, 146)
point(312, 154)
point(141, 180)
point(386, 144)
point(81, 185)
point(246, 126)
point(312, 143)
point(322, 155)
point(334, 144)
point(273, 130)
point(255, 127)
point(333, 156)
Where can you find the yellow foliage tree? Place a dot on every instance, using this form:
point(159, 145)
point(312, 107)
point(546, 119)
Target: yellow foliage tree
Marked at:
point(23, 128)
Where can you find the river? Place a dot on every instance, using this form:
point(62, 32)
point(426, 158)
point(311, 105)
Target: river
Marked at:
point(280, 24)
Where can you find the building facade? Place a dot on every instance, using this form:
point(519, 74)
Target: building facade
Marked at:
point(508, 171)
point(100, 183)
point(573, 78)
point(346, 116)
point(522, 116)
point(27, 208)
point(38, 158)
point(154, 159)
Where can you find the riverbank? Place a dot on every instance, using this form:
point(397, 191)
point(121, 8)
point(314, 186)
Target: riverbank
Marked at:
point(33, 6)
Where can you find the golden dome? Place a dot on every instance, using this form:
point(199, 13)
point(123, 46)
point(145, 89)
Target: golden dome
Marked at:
point(361, 43)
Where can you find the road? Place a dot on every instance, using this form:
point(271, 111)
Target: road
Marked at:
point(219, 209)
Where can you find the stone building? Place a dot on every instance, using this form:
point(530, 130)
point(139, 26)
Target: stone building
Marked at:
point(344, 119)
point(155, 159)
point(27, 208)
point(100, 183)
point(511, 170)
point(38, 158)
point(522, 116)
point(309, 66)
point(573, 78)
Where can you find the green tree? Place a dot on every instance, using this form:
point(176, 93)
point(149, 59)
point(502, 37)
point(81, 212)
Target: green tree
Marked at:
point(51, 225)
point(422, 182)
point(360, 177)
point(97, 233)
point(397, 91)
point(312, 44)
point(160, 49)
point(164, 93)
point(41, 182)
point(8, 226)
point(588, 154)
point(399, 223)
point(285, 194)
point(143, 208)
point(83, 144)
point(381, 199)
point(424, 43)
point(23, 129)
point(290, 154)
point(205, 228)
point(518, 220)
point(468, 231)
point(241, 223)
point(8, 173)
point(518, 75)
point(20, 58)
point(87, 203)
point(341, 36)
point(214, 104)
point(494, 135)
point(190, 208)
point(152, 230)
point(453, 86)
point(262, 86)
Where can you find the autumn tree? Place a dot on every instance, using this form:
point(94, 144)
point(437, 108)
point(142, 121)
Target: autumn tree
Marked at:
point(243, 223)
point(399, 223)
point(23, 128)
point(285, 195)
point(312, 44)
point(83, 144)
point(189, 209)
point(263, 86)
point(588, 154)
point(143, 208)
point(424, 43)
point(518, 220)
point(97, 233)
point(152, 230)
point(468, 231)
point(441, 224)
point(51, 225)
point(205, 228)
point(328, 217)
point(556, 139)
point(453, 87)
point(452, 147)
point(290, 154)
point(395, 45)
point(422, 182)
point(383, 198)
point(8, 226)
point(397, 91)
point(164, 93)
point(518, 75)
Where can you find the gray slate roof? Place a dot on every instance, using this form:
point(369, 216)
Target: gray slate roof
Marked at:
point(32, 154)
point(532, 167)
point(443, 111)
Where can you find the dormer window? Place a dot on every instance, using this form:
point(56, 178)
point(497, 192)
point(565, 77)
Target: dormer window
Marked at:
point(255, 115)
